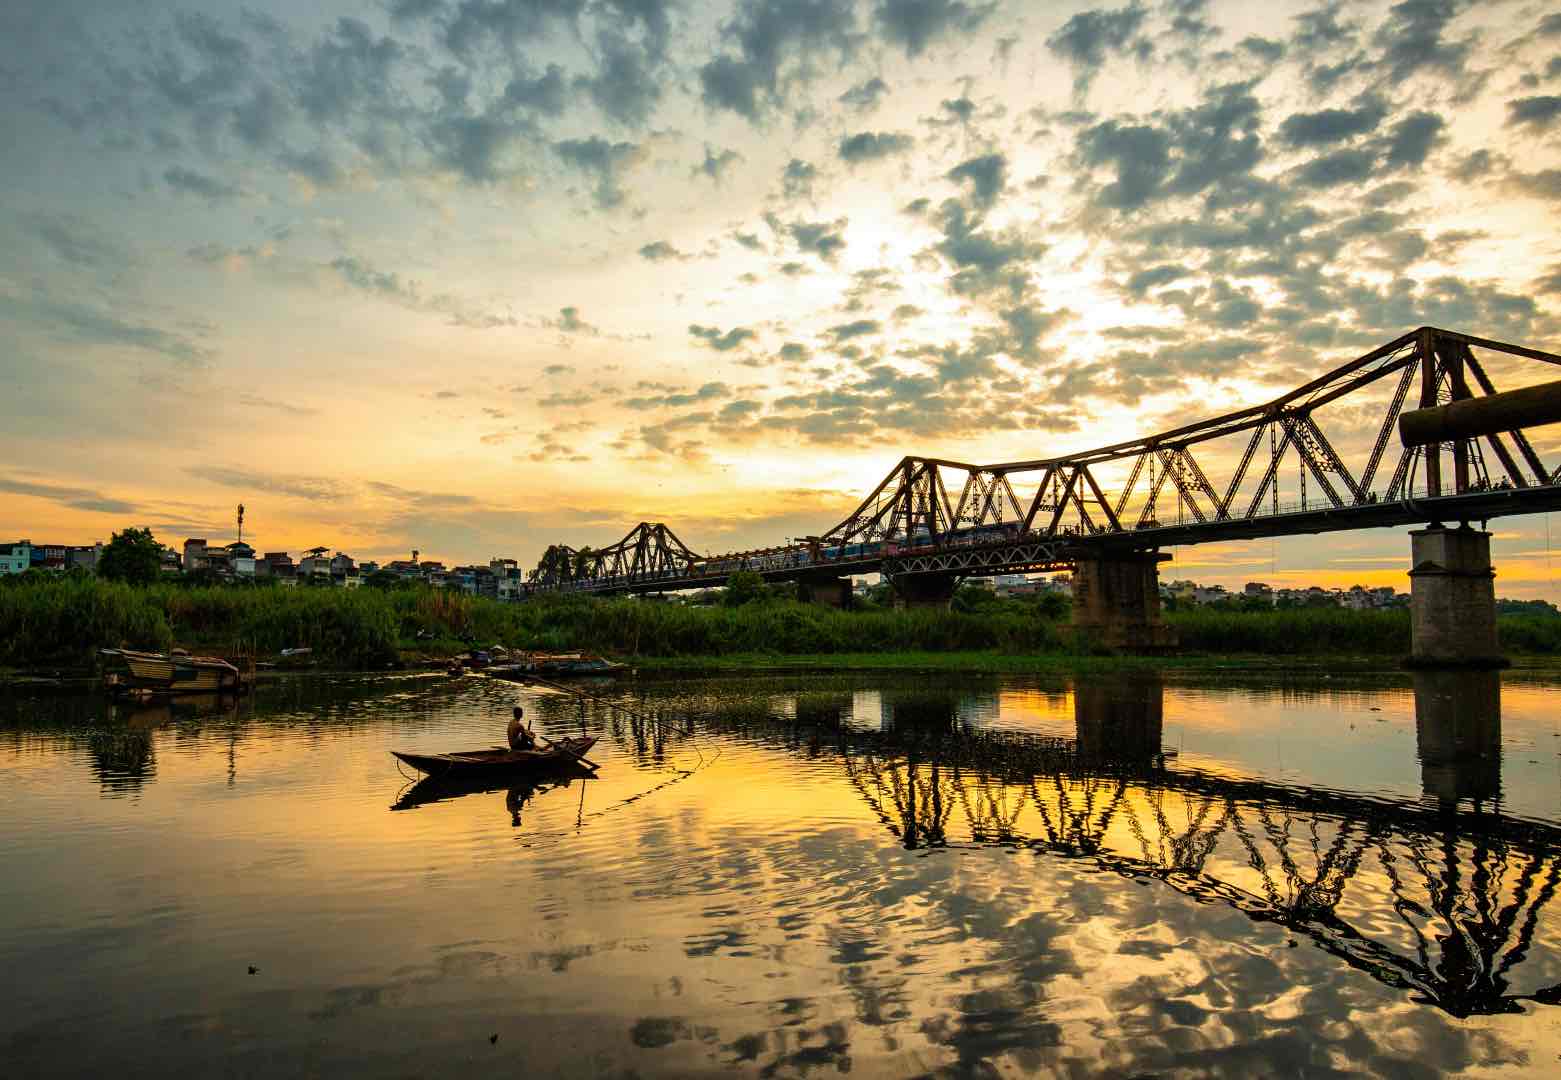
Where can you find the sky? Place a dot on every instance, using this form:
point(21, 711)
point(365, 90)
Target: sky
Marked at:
point(478, 276)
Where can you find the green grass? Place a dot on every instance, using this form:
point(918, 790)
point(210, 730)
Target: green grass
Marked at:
point(64, 622)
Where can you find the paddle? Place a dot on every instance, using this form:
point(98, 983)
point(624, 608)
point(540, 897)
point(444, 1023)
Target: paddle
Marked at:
point(560, 746)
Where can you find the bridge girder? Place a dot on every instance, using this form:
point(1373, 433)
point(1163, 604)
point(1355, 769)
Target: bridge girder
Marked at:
point(910, 524)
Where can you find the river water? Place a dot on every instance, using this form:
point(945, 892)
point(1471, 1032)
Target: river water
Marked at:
point(787, 875)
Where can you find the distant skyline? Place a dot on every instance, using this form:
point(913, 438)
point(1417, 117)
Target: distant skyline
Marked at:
point(478, 276)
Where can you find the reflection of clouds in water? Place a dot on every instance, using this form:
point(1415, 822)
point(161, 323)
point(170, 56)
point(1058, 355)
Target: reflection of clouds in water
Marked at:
point(766, 915)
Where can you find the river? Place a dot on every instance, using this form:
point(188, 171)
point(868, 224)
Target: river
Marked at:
point(1112, 873)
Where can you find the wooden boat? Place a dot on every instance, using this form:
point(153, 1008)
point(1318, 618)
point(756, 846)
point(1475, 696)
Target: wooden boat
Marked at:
point(570, 664)
point(501, 761)
point(139, 674)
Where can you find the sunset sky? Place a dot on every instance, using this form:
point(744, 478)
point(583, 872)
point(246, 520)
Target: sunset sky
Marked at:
point(476, 276)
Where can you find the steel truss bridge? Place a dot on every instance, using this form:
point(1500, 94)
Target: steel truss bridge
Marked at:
point(1275, 469)
point(1441, 900)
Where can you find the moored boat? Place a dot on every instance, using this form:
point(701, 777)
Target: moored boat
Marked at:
point(499, 761)
point(555, 664)
point(133, 673)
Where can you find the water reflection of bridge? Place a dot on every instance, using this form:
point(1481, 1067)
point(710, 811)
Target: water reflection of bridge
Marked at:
point(1446, 897)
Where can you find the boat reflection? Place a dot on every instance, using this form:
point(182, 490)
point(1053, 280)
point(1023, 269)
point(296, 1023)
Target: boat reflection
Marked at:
point(517, 792)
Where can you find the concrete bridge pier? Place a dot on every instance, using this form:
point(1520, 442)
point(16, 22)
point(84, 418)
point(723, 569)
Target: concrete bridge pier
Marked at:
point(923, 590)
point(1458, 735)
point(1116, 600)
point(832, 591)
point(1452, 599)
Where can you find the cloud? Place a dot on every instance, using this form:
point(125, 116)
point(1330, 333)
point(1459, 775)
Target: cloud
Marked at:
point(708, 392)
point(189, 182)
point(570, 322)
point(310, 488)
point(778, 45)
point(85, 325)
point(1538, 113)
point(1544, 184)
point(1087, 38)
point(986, 263)
point(1337, 168)
point(1140, 155)
point(914, 25)
point(865, 96)
point(607, 162)
point(388, 285)
point(860, 328)
point(348, 74)
point(626, 87)
point(715, 165)
point(826, 239)
point(721, 342)
point(73, 497)
point(661, 251)
point(478, 25)
point(77, 241)
point(1331, 125)
point(1412, 39)
point(797, 179)
point(873, 146)
point(421, 499)
point(1413, 138)
point(256, 401)
point(987, 175)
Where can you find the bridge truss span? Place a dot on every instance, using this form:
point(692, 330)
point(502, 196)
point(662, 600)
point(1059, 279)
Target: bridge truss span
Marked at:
point(1320, 458)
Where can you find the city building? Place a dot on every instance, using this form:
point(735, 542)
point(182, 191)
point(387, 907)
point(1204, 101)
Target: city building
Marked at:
point(16, 558)
point(194, 555)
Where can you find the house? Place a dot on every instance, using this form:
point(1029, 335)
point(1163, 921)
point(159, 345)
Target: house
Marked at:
point(86, 557)
point(194, 555)
point(50, 556)
point(315, 567)
point(171, 563)
point(277, 565)
point(16, 558)
point(241, 559)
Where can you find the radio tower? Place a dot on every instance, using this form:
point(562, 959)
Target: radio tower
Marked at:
point(241, 523)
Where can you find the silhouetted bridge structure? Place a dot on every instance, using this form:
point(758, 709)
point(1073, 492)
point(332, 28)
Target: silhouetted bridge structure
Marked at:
point(1107, 513)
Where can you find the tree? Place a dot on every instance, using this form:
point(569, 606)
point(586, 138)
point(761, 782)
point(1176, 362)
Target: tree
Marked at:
point(133, 556)
point(743, 587)
point(383, 579)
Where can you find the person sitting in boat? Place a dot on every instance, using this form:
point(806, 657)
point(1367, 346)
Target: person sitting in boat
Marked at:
point(520, 737)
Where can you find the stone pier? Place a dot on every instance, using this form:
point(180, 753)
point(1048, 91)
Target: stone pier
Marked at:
point(1116, 600)
point(1458, 735)
point(923, 590)
point(1452, 599)
point(831, 591)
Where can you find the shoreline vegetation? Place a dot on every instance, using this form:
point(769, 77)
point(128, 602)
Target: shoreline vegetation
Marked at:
point(60, 624)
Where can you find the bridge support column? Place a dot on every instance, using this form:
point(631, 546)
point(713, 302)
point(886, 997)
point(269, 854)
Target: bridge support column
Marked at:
point(831, 591)
point(1458, 735)
point(1116, 600)
point(923, 590)
point(1452, 599)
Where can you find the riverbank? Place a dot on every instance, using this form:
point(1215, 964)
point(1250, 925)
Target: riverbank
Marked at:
point(60, 625)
